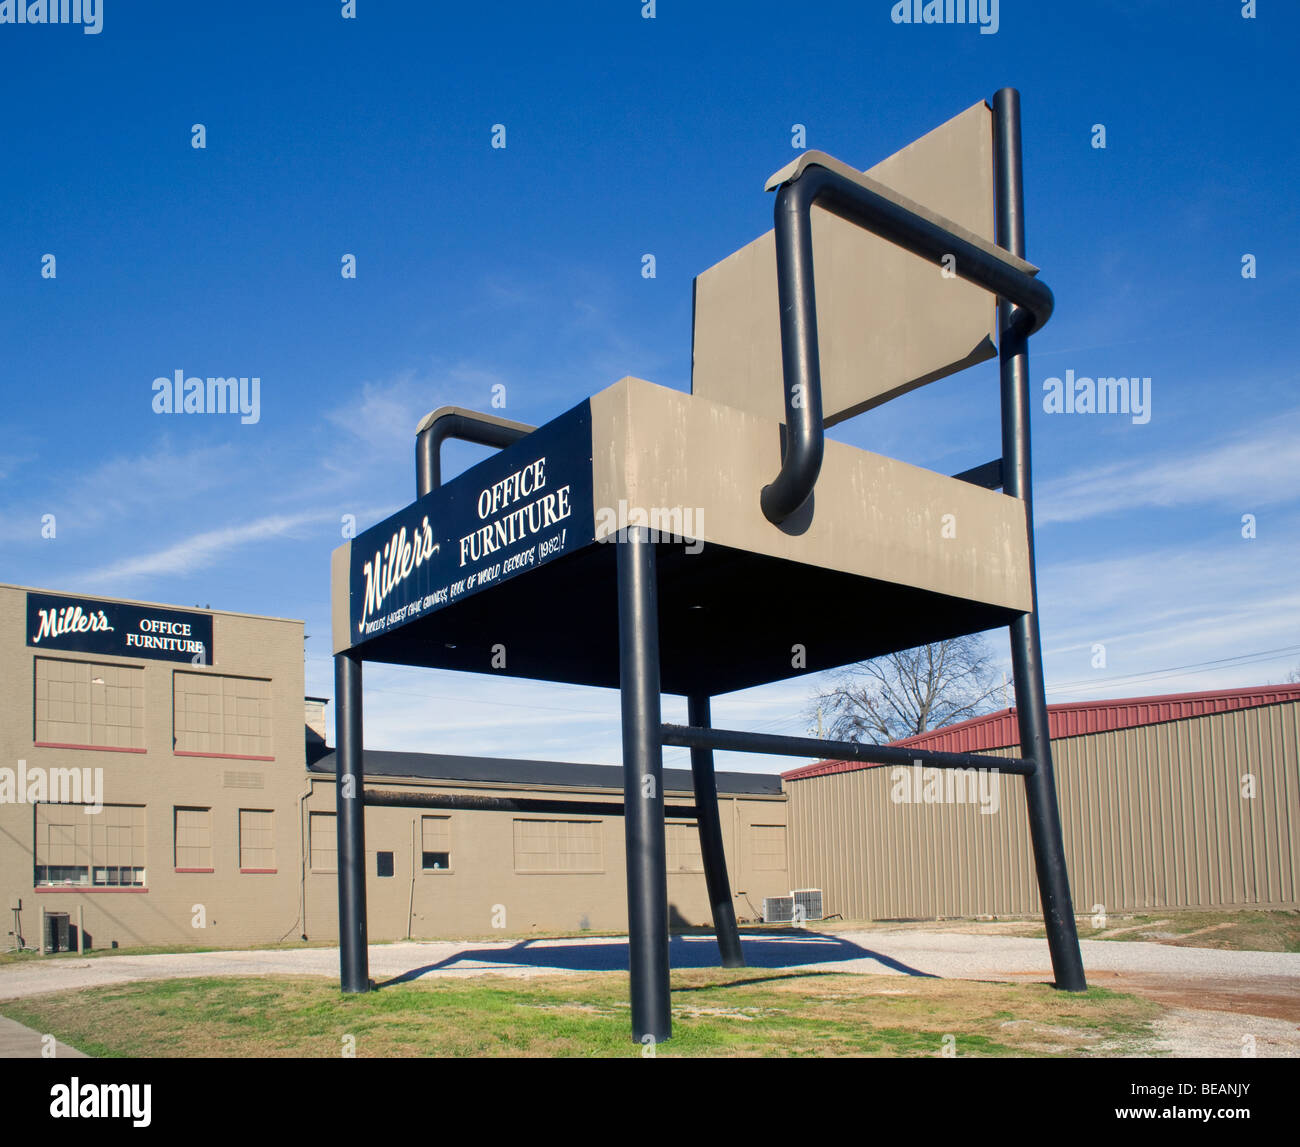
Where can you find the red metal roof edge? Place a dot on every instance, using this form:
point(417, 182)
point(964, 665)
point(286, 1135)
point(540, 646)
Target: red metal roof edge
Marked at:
point(1071, 719)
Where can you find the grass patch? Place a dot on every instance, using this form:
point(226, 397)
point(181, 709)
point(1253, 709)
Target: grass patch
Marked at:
point(733, 1013)
point(1260, 931)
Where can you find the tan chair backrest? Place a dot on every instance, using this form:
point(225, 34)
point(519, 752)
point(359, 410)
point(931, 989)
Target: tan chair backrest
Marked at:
point(888, 321)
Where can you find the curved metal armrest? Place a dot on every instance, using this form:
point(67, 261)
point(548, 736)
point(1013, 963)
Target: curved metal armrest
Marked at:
point(819, 179)
point(465, 425)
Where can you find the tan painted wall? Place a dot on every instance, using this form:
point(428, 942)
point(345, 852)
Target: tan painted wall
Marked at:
point(875, 516)
point(240, 908)
point(462, 900)
point(1152, 818)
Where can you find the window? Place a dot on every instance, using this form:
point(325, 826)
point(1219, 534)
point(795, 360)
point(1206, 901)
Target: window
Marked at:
point(682, 846)
point(193, 839)
point(216, 716)
point(256, 840)
point(383, 864)
point(435, 848)
point(324, 842)
point(558, 846)
point(76, 849)
point(88, 705)
point(769, 847)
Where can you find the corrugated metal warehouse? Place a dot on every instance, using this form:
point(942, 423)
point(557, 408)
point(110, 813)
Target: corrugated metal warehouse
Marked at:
point(1183, 801)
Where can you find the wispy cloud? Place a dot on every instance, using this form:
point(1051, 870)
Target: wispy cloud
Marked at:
point(124, 486)
point(1167, 606)
point(1258, 466)
point(202, 550)
point(386, 413)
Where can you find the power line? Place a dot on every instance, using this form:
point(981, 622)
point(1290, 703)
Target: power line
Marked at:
point(1088, 684)
point(493, 702)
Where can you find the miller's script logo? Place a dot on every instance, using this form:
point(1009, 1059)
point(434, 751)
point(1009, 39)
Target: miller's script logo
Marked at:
point(513, 510)
point(69, 619)
point(393, 566)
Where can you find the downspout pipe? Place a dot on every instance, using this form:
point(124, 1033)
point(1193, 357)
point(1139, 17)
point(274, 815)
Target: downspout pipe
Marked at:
point(410, 904)
point(304, 838)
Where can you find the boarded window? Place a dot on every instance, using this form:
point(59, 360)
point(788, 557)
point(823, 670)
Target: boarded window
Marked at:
point(193, 837)
point(557, 846)
point(769, 847)
point(87, 704)
point(256, 839)
point(435, 847)
point(324, 841)
point(101, 850)
point(222, 716)
point(682, 846)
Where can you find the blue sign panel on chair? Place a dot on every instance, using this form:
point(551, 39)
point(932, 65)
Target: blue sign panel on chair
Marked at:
point(524, 507)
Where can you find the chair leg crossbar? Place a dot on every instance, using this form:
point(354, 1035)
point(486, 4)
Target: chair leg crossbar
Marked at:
point(736, 741)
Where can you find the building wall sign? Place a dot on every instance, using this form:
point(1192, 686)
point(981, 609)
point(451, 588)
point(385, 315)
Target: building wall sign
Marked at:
point(86, 625)
point(525, 506)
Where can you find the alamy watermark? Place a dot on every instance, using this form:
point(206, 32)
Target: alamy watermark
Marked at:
point(1083, 395)
point(39, 785)
point(919, 785)
point(981, 12)
point(181, 395)
point(664, 523)
point(77, 1100)
point(88, 13)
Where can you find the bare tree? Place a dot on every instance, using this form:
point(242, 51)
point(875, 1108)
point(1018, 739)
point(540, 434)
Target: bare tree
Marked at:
point(906, 693)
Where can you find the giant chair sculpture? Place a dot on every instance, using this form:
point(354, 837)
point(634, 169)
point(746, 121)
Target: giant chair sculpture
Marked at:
point(544, 554)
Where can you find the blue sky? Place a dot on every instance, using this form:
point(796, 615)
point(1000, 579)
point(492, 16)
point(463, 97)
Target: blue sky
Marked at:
point(522, 266)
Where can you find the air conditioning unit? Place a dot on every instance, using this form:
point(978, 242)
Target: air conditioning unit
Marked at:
point(57, 937)
point(778, 909)
point(810, 899)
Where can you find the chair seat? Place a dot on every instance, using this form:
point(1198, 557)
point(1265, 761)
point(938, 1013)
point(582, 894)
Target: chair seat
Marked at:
point(870, 515)
point(886, 556)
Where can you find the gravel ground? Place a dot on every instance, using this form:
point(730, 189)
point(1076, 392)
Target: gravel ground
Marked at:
point(1267, 983)
point(1192, 1033)
point(949, 955)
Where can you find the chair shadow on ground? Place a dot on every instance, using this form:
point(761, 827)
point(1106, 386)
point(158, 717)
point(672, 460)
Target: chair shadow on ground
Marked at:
point(609, 954)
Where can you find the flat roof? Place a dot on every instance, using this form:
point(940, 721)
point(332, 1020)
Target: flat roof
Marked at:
point(139, 601)
point(557, 774)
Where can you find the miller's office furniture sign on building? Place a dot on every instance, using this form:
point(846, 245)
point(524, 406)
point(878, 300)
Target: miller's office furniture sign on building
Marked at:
point(120, 629)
